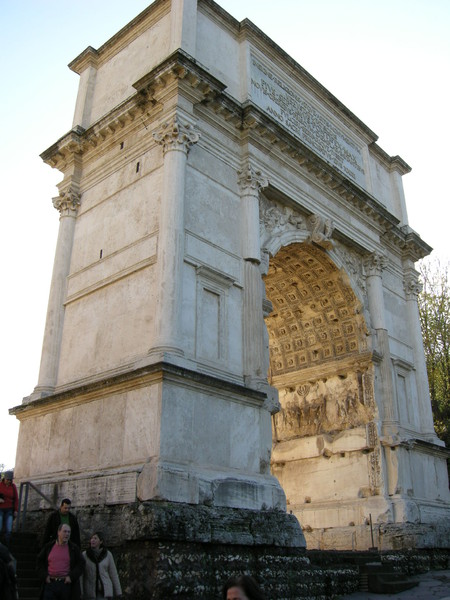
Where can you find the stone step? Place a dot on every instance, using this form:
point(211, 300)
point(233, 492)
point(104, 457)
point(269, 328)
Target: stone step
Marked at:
point(389, 583)
point(24, 547)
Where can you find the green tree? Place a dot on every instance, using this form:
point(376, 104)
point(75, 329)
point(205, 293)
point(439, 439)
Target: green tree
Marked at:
point(434, 310)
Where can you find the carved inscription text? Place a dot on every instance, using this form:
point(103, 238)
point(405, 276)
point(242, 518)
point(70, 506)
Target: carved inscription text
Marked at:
point(306, 123)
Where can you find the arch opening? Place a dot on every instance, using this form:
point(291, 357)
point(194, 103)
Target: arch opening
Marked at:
point(325, 451)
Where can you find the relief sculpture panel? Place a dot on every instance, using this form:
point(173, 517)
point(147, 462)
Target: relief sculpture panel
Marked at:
point(327, 405)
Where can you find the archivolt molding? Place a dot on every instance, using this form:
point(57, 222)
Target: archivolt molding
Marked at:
point(280, 226)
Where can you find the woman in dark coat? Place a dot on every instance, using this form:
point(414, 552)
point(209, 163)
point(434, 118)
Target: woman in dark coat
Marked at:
point(100, 578)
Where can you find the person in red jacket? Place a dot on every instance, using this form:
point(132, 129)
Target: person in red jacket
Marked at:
point(9, 504)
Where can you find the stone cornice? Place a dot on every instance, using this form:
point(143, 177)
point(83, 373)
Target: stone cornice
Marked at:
point(296, 71)
point(359, 362)
point(177, 69)
point(181, 67)
point(129, 380)
point(87, 58)
point(181, 74)
point(122, 38)
point(425, 447)
point(267, 129)
point(392, 163)
point(246, 29)
point(414, 247)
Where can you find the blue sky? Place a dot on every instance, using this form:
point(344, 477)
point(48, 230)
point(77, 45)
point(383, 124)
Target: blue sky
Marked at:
point(387, 61)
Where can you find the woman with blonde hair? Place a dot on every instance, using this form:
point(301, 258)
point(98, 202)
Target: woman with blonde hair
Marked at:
point(100, 579)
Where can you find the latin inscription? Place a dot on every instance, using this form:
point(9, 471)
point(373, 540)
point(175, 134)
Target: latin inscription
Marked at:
point(302, 120)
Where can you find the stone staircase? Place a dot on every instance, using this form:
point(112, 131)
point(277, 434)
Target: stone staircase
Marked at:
point(24, 547)
point(382, 579)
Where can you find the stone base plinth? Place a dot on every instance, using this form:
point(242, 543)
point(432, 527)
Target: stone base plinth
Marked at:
point(184, 570)
point(384, 537)
point(168, 550)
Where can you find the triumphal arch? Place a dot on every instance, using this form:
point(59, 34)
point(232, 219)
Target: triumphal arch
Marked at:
point(232, 321)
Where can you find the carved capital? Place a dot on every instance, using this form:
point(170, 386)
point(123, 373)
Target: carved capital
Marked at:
point(251, 181)
point(412, 286)
point(67, 203)
point(321, 231)
point(374, 264)
point(174, 135)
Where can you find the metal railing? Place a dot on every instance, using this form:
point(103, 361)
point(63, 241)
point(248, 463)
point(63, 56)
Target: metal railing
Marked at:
point(23, 503)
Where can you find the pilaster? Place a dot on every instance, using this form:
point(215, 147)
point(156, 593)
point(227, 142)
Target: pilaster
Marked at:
point(412, 289)
point(176, 139)
point(374, 265)
point(250, 183)
point(67, 203)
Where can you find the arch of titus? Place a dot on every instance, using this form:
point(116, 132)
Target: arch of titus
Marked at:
point(232, 322)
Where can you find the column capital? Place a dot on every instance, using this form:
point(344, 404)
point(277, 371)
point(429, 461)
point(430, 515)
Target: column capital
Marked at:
point(412, 286)
point(67, 203)
point(251, 181)
point(173, 135)
point(374, 264)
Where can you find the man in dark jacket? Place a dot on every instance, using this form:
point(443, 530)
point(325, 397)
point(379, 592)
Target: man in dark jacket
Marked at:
point(8, 584)
point(60, 565)
point(61, 517)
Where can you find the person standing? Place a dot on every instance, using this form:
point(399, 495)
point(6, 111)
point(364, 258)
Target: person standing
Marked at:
point(63, 516)
point(60, 565)
point(242, 587)
point(100, 578)
point(9, 504)
point(8, 580)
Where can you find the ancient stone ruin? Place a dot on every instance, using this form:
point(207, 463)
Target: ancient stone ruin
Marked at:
point(232, 336)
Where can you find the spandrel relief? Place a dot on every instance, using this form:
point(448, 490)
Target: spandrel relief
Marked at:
point(353, 265)
point(275, 219)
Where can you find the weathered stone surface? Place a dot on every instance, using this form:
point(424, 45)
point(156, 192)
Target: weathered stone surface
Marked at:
point(232, 320)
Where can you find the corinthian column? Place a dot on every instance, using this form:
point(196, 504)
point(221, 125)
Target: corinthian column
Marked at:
point(412, 289)
point(374, 265)
point(67, 203)
point(176, 139)
point(250, 183)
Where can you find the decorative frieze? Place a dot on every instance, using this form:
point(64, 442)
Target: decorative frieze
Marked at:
point(329, 404)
